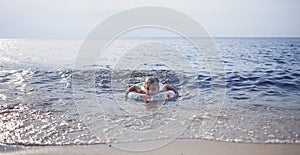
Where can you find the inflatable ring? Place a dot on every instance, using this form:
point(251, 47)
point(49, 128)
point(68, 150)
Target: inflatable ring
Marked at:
point(162, 96)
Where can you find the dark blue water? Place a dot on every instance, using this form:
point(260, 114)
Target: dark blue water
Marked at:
point(262, 102)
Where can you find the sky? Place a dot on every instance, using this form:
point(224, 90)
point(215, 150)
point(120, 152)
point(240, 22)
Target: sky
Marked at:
point(220, 18)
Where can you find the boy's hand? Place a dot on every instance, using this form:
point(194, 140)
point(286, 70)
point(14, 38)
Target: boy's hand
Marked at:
point(176, 92)
point(169, 87)
point(145, 97)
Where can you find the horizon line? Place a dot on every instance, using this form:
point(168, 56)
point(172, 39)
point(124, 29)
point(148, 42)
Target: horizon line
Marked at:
point(151, 37)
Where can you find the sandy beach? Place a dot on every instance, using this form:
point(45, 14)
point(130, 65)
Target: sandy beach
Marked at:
point(181, 146)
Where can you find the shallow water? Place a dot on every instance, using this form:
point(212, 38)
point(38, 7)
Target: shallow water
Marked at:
point(38, 105)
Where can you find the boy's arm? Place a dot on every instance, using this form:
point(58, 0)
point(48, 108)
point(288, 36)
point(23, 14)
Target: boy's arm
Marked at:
point(169, 87)
point(134, 89)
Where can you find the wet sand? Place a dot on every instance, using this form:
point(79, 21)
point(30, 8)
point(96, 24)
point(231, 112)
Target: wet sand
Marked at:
point(181, 146)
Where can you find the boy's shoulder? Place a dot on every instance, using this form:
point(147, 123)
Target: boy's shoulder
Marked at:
point(141, 84)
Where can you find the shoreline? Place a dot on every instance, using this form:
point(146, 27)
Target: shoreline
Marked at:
point(179, 146)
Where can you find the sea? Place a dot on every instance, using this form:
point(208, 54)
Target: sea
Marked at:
point(46, 100)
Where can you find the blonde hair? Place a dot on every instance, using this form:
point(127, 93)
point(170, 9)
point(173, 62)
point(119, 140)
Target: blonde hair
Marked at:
point(151, 80)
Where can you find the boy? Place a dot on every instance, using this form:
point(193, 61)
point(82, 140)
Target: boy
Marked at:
point(150, 87)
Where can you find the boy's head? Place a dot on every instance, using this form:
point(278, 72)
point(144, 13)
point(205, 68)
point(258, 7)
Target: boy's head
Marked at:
point(151, 85)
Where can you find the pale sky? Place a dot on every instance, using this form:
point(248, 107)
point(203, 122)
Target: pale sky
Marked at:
point(221, 18)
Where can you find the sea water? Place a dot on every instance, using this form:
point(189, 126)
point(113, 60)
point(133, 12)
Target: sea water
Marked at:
point(39, 102)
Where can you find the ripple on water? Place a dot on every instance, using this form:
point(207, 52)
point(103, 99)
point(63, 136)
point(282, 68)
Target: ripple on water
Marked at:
point(262, 102)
